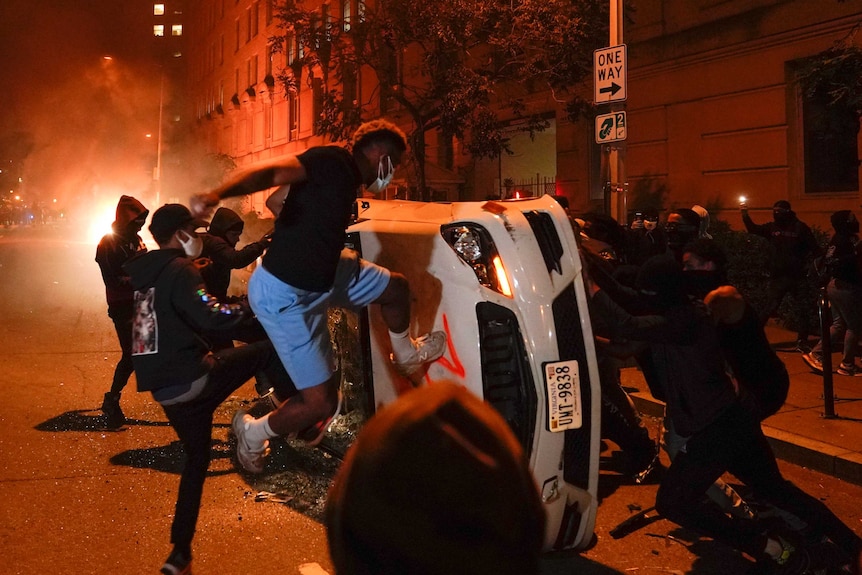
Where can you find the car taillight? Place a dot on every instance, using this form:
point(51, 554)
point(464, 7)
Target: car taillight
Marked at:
point(475, 247)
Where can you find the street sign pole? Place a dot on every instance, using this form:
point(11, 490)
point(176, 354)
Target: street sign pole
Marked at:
point(617, 186)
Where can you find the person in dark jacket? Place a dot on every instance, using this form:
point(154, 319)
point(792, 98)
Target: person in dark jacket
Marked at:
point(793, 248)
point(723, 436)
point(220, 243)
point(219, 257)
point(113, 251)
point(173, 362)
point(761, 377)
point(843, 259)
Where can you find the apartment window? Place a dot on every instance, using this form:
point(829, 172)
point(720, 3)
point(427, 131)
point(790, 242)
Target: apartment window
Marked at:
point(176, 30)
point(345, 15)
point(236, 49)
point(268, 60)
point(158, 9)
point(159, 30)
point(247, 25)
point(291, 50)
point(255, 18)
point(268, 12)
point(831, 145)
point(293, 115)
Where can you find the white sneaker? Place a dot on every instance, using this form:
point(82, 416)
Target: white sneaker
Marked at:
point(429, 347)
point(251, 457)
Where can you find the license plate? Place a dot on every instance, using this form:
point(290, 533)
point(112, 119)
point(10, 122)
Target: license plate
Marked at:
point(563, 386)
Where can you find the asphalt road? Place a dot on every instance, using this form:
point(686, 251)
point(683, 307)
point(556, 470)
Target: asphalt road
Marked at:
point(77, 499)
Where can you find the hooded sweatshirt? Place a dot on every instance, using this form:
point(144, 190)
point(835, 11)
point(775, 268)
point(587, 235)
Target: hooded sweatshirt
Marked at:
point(224, 256)
point(792, 242)
point(118, 247)
point(172, 307)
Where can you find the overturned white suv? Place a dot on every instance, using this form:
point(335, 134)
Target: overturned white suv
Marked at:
point(503, 280)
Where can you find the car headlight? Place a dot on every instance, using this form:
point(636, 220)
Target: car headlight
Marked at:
point(474, 246)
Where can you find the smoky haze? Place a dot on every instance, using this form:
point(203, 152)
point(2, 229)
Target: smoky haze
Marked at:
point(74, 122)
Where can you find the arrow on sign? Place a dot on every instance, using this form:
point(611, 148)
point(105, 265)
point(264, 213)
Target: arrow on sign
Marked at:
point(613, 89)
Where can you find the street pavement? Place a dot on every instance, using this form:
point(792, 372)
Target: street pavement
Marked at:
point(805, 431)
point(78, 499)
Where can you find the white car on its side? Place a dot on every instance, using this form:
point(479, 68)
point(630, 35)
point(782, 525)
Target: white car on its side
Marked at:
point(503, 280)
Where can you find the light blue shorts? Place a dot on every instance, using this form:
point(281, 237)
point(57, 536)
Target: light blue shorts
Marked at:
point(296, 320)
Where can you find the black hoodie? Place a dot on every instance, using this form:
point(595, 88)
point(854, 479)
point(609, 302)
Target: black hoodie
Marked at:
point(224, 256)
point(172, 307)
point(116, 248)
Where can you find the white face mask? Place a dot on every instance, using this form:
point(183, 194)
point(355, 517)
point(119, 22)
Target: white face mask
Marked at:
point(193, 245)
point(384, 176)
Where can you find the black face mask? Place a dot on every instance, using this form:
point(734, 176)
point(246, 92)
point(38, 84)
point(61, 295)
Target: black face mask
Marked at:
point(698, 283)
point(782, 217)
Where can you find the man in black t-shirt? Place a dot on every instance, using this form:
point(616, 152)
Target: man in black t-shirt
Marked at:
point(306, 270)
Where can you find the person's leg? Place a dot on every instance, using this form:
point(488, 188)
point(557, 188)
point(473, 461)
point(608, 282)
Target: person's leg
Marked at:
point(805, 300)
point(847, 304)
point(359, 283)
point(621, 422)
point(122, 316)
point(776, 289)
point(719, 492)
point(192, 422)
point(680, 497)
point(754, 463)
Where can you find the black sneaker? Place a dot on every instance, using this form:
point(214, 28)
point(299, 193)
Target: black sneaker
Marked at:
point(111, 409)
point(177, 563)
point(802, 346)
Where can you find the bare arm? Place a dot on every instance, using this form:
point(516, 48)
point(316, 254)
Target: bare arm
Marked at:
point(288, 171)
point(275, 201)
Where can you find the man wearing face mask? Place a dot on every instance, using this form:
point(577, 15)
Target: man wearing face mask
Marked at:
point(307, 270)
point(793, 248)
point(682, 227)
point(113, 251)
point(173, 362)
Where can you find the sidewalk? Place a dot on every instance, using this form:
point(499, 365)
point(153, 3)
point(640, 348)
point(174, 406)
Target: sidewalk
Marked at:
point(799, 432)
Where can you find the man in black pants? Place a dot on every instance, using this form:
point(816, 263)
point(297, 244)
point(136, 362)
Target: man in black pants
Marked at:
point(793, 249)
point(173, 362)
point(113, 251)
point(724, 437)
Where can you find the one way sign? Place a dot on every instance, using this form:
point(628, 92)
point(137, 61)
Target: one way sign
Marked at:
point(609, 65)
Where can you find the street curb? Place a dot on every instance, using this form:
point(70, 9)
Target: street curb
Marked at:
point(822, 457)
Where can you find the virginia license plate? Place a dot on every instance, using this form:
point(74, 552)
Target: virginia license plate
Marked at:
point(563, 386)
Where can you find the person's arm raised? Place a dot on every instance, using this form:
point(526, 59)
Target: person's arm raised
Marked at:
point(288, 171)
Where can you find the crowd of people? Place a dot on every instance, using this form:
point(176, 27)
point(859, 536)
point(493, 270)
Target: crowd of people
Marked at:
point(659, 297)
point(660, 294)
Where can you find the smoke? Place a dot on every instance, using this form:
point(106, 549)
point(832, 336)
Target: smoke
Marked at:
point(74, 122)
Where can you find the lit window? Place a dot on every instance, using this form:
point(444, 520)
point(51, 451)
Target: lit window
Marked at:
point(158, 9)
point(159, 30)
point(176, 30)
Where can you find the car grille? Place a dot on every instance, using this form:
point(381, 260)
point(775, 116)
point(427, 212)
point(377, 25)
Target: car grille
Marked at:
point(570, 342)
point(507, 381)
point(547, 237)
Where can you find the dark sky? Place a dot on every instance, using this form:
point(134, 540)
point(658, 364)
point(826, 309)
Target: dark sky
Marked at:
point(83, 117)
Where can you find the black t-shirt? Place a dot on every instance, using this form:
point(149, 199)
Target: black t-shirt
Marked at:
point(309, 232)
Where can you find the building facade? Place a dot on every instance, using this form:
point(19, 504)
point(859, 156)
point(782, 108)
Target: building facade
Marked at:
point(714, 110)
